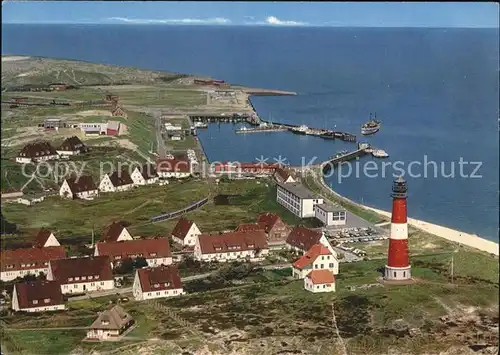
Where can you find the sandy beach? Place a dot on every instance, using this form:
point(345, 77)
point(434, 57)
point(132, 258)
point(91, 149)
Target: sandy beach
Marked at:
point(467, 239)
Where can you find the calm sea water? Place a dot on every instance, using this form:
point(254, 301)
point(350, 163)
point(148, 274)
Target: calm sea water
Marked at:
point(435, 90)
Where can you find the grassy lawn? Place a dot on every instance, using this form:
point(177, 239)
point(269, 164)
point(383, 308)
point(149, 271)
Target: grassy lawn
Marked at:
point(187, 143)
point(141, 130)
point(163, 96)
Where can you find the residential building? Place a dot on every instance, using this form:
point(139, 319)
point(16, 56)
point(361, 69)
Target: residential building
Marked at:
point(297, 199)
point(45, 238)
point(36, 152)
point(90, 128)
point(320, 281)
point(302, 239)
point(113, 127)
point(330, 215)
point(160, 282)
point(156, 252)
point(249, 227)
point(145, 175)
point(37, 296)
point(284, 175)
point(318, 257)
point(71, 146)
point(245, 168)
point(185, 232)
point(116, 232)
point(117, 181)
point(21, 262)
point(53, 124)
point(82, 187)
point(275, 228)
point(81, 275)
point(173, 168)
point(231, 246)
point(110, 324)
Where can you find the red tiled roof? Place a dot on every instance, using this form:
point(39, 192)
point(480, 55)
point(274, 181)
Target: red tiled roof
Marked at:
point(39, 291)
point(120, 178)
point(112, 233)
point(41, 238)
point(283, 173)
point(159, 278)
point(311, 255)
point(31, 258)
point(249, 227)
point(232, 241)
point(268, 220)
point(146, 248)
point(64, 269)
point(321, 277)
point(81, 184)
point(173, 165)
point(37, 149)
point(182, 228)
point(303, 238)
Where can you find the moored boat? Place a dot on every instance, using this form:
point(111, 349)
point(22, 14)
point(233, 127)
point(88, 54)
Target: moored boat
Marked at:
point(299, 130)
point(371, 127)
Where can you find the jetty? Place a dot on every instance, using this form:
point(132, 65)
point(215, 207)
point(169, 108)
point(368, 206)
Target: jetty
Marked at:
point(361, 151)
point(261, 129)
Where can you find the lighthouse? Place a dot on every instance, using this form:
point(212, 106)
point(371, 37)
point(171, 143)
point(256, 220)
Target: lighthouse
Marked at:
point(398, 262)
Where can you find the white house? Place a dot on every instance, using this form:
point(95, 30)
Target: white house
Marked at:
point(330, 215)
point(110, 324)
point(160, 282)
point(297, 199)
point(144, 175)
point(173, 168)
point(117, 181)
point(82, 275)
point(37, 296)
point(45, 239)
point(156, 252)
point(231, 246)
point(21, 262)
point(37, 152)
point(116, 232)
point(71, 146)
point(82, 187)
point(318, 257)
point(91, 128)
point(320, 281)
point(185, 232)
point(302, 239)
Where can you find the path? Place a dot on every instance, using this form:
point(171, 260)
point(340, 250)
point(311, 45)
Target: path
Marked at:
point(337, 332)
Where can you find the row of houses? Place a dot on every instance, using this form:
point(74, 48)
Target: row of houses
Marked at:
point(44, 151)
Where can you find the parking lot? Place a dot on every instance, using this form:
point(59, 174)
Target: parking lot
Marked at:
point(342, 237)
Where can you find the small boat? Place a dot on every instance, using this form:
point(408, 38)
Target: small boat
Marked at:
point(379, 153)
point(299, 130)
point(200, 125)
point(371, 127)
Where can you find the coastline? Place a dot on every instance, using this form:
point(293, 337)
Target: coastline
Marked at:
point(452, 235)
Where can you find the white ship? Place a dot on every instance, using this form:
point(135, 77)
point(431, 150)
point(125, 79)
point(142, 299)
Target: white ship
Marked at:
point(379, 153)
point(300, 130)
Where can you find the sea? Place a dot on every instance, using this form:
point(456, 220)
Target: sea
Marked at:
point(436, 92)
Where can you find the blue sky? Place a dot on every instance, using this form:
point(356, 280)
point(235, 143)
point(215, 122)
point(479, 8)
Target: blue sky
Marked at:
point(258, 13)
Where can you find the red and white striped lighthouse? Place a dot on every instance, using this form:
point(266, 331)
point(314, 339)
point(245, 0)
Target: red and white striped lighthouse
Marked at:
point(398, 261)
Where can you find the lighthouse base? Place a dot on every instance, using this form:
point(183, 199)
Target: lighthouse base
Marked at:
point(397, 273)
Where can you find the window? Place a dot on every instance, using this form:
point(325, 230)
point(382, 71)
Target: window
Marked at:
point(35, 301)
point(157, 293)
point(321, 266)
point(404, 273)
point(84, 278)
point(102, 283)
point(92, 284)
point(331, 265)
point(316, 266)
point(394, 273)
point(77, 278)
point(324, 286)
point(322, 258)
point(47, 300)
point(75, 286)
point(70, 279)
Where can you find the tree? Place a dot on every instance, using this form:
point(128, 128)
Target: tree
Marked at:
point(126, 266)
point(140, 263)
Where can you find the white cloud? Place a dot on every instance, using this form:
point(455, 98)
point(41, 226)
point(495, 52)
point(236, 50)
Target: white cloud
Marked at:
point(208, 21)
point(272, 20)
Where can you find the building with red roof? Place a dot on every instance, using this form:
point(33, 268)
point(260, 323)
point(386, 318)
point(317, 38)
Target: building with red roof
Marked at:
point(81, 275)
point(320, 281)
point(116, 181)
point(156, 252)
point(185, 232)
point(21, 262)
point(116, 232)
point(231, 246)
point(249, 227)
point(160, 282)
point(318, 257)
point(284, 175)
point(173, 168)
point(302, 239)
point(45, 238)
point(37, 296)
point(275, 228)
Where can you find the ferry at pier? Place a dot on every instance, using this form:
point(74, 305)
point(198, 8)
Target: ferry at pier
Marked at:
point(379, 153)
point(300, 130)
point(371, 127)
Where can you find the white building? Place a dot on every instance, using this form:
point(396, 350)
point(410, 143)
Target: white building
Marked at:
point(330, 215)
point(156, 252)
point(37, 296)
point(116, 232)
point(82, 187)
point(71, 146)
point(145, 175)
point(37, 152)
point(185, 232)
point(117, 181)
point(30, 261)
point(173, 168)
point(297, 199)
point(231, 246)
point(320, 281)
point(160, 282)
point(318, 257)
point(82, 275)
point(98, 128)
